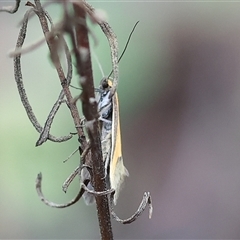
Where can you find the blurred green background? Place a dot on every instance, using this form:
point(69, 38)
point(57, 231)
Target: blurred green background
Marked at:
point(179, 96)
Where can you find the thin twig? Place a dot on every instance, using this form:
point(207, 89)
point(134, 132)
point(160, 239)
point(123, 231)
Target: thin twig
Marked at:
point(45, 132)
point(27, 49)
point(147, 200)
point(107, 192)
point(20, 85)
point(70, 155)
point(68, 181)
point(52, 204)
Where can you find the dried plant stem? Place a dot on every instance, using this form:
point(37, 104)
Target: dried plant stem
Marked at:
point(45, 132)
point(91, 114)
point(107, 192)
point(51, 44)
point(52, 204)
point(147, 200)
point(68, 181)
point(20, 85)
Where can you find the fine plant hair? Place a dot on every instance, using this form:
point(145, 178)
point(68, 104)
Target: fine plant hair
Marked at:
point(73, 24)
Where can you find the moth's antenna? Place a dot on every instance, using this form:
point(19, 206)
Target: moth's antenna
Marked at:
point(100, 67)
point(124, 50)
point(126, 45)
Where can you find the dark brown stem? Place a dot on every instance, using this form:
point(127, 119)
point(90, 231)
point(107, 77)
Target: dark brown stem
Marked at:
point(82, 53)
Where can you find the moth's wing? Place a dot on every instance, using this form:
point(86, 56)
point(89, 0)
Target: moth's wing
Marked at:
point(117, 169)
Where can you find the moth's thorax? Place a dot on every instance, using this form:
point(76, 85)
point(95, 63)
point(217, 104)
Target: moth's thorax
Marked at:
point(104, 99)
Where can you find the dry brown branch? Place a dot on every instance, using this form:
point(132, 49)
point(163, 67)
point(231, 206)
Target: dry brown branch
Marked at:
point(68, 181)
point(147, 200)
point(76, 150)
point(90, 112)
point(52, 204)
point(102, 193)
point(20, 85)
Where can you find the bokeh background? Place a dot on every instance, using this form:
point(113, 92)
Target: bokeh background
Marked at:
point(179, 97)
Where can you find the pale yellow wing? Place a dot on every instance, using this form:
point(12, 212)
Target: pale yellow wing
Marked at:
point(117, 169)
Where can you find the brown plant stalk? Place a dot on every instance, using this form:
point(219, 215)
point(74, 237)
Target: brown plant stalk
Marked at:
point(91, 114)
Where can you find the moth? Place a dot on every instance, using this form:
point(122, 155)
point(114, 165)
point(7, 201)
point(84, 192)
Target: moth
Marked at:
point(109, 126)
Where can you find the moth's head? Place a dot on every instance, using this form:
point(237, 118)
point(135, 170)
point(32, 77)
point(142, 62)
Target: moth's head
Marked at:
point(105, 84)
point(103, 98)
